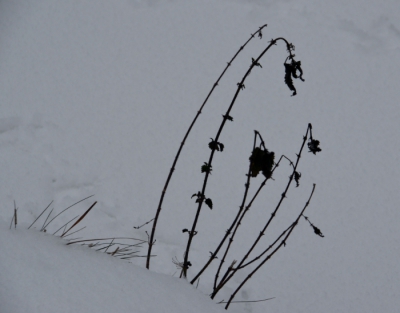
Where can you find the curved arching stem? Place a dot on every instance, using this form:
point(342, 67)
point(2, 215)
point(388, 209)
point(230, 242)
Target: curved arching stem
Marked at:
point(153, 230)
point(209, 163)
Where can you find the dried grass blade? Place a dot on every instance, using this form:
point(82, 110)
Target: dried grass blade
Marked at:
point(40, 214)
point(80, 219)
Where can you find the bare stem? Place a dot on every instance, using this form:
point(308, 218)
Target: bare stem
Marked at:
point(283, 196)
point(283, 242)
point(209, 163)
point(153, 230)
point(229, 230)
point(80, 219)
point(40, 214)
point(45, 225)
point(241, 218)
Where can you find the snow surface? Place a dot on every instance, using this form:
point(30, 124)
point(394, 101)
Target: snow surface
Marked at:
point(44, 275)
point(96, 97)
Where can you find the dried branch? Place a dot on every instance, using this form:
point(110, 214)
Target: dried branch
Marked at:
point(283, 242)
point(209, 163)
point(283, 196)
point(152, 240)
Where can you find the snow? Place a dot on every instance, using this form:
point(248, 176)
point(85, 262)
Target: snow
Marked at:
point(45, 275)
point(96, 98)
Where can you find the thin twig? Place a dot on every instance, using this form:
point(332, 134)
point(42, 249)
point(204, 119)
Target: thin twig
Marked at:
point(65, 225)
point(75, 231)
point(40, 214)
point(235, 223)
point(247, 301)
point(138, 227)
point(241, 217)
point(76, 238)
point(116, 250)
point(266, 250)
point(151, 241)
point(283, 196)
point(67, 209)
point(272, 253)
point(96, 239)
point(228, 232)
point(44, 224)
point(12, 220)
point(15, 215)
point(209, 163)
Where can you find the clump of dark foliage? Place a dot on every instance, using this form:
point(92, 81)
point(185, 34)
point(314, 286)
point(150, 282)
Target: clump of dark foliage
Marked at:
point(261, 160)
point(291, 71)
point(313, 146)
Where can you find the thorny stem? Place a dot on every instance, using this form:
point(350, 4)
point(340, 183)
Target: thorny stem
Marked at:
point(244, 213)
point(283, 242)
point(266, 250)
point(241, 218)
point(240, 215)
point(242, 206)
point(222, 283)
point(225, 117)
point(153, 230)
point(228, 232)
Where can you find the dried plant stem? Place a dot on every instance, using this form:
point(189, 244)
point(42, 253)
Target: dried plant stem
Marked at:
point(151, 240)
point(75, 231)
point(14, 218)
point(283, 242)
point(233, 235)
point(45, 225)
point(237, 222)
point(40, 214)
point(229, 230)
point(266, 250)
point(242, 216)
point(216, 138)
point(283, 196)
point(65, 224)
point(85, 240)
point(111, 243)
point(80, 219)
point(247, 301)
point(138, 227)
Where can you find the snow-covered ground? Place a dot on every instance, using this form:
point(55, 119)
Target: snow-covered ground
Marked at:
point(96, 97)
point(44, 275)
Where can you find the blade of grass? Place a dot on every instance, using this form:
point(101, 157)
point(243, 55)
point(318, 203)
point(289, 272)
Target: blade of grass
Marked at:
point(97, 239)
point(44, 224)
point(40, 214)
point(75, 231)
point(65, 224)
point(80, 219)
point(67, 209)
